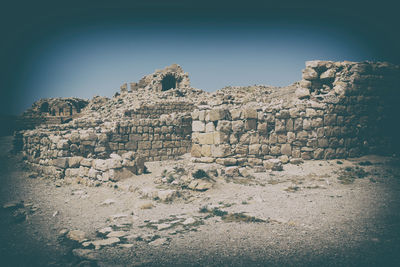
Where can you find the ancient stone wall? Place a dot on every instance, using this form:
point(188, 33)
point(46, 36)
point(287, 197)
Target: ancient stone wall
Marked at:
point(157, 109)
point(51, 111)
point(344, 111)
point(107, 152)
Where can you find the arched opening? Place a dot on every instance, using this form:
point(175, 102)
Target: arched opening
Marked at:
point(44, 107)
point(168, 82)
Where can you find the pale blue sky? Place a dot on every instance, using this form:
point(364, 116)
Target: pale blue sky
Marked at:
point(97, 60)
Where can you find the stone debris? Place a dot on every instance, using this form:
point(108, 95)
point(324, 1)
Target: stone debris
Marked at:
point(117, 234)
point(102, 242)
point(108, 202)
point(200, 185)
point(77, 235)
point(159, 242)
point(189, 221)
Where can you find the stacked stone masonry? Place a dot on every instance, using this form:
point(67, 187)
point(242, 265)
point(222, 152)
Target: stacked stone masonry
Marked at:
point(95, 151)
point(338, 110)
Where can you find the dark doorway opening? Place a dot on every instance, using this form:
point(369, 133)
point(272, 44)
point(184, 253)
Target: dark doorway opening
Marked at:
point(44, 107)
point(168, 82)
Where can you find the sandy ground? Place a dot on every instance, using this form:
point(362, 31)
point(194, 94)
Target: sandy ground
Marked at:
point(303, 215)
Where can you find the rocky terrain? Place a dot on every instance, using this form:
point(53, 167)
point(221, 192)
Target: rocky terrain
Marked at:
point(181, 213)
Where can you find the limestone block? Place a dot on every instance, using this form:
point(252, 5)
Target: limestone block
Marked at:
point(305, 84)
point(249, 113)
point(235, 114)
point(280, 125)
point(144, 145)
point(261, 128)
point(72, 172)
point(210, 127)
point(206, 151)
point(232, 171)
point(273, 164)
point(328, 74)
point(237, 126)
point(286, 149)
point(220, 138)
point(298, 124)
point(317, 122)
point(156, 144)
point(217, 114)
point(100, 164)
point(224, 126)
point(275, 150)
point(284, 159)
point(198, 126)
point(74, 162)
point(254, 149)
point(119, 174)
point(310, 112)
point(306, 124)
point(206, 138)
point(319, 153)
point(92, 173)
point(63, 144)
point(282, 138)
point(114, 163)
point(196, 151)
point(86, 162)
point(226, 161)
point(220, 151)
point(250, 124)
point(310, 74)
point(60, 162)
point(329, 119)
point(283, 114)
point(241, 149)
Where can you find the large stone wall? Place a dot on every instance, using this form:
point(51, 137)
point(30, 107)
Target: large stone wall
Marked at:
point(110, 151)
point(338, 110)
point(344, 110)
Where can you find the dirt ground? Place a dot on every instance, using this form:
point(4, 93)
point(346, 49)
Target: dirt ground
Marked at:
point(331, 213)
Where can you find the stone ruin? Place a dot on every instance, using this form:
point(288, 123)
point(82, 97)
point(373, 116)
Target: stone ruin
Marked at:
point(338, 110)
point(52, 111)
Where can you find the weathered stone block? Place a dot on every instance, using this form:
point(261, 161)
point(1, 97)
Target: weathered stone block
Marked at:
point(220, 138)
point(224, 126)
point(261, 128)
point(254, 149)
point(206, 138)
point(303, 92)
point(273, 164)
point(226, 161)
point(280, 126)
point(198, 126)
point(74, 162)
point(60, 162)
point(196, 151)
point(249, 113)
point(286, 149)
point(237, 126)
point(235, 114)
point(310, 74)
point(220, 151)
point(217, 114)
point(210, 127)
point(206, 151)
point(100, 164)
point(250, 124)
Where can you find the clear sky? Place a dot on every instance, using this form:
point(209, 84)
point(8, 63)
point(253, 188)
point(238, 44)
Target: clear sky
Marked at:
point(82, 54)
